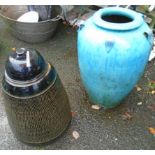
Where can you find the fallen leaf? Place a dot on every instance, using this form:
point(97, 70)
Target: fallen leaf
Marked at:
point(126, 116)
point(96, 107)
point(73, 114)
point(139, 103)
point(75, 134)
point(151, 85)
point(13, 49)
point(138, 88)
point(151, 107)
point(152, 81)
point(153, 92)
point(152, 130)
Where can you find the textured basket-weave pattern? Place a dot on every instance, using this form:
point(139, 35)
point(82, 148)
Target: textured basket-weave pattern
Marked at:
point(40, 118)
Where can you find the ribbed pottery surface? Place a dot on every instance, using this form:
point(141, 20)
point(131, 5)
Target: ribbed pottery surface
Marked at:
point(39, 118)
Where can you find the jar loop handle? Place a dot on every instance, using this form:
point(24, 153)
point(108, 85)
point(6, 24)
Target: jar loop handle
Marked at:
point(81, 25)
point(149, 36)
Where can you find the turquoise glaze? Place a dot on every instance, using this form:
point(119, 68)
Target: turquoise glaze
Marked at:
point(113, 49)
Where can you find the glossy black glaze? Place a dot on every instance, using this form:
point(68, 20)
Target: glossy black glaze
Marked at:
point(34, 88)
point(24, 80)
point(24, 64)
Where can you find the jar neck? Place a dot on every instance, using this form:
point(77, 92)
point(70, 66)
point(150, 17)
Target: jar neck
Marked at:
point(116, 18)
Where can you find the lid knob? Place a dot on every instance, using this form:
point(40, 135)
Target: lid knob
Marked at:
point(20, 51)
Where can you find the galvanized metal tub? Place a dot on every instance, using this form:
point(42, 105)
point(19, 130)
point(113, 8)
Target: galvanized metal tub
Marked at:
point(30, 32)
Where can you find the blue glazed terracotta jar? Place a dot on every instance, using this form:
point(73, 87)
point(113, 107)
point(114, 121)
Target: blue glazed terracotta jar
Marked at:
point(113, 49)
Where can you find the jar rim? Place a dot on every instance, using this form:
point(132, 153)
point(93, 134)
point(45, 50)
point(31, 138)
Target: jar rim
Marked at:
point(134, 16)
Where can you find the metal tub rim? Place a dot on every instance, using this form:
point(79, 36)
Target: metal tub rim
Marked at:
point(58, 17)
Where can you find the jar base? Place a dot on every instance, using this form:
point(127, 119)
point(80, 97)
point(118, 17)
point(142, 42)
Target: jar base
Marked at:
point(48, 141)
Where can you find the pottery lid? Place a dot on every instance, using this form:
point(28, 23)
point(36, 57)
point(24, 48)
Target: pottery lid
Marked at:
point(24, 64)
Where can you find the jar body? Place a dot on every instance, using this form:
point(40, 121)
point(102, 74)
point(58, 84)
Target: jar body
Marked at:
point(112, 61)
point(36, 103)
point(41, 117)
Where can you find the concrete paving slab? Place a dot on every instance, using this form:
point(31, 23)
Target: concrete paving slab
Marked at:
point(98, 129)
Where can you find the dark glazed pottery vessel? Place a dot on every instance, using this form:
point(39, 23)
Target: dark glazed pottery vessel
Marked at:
point(36, 103)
